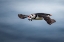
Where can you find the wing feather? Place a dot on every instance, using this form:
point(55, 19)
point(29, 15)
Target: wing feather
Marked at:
point(49, 20)
point(22, 16)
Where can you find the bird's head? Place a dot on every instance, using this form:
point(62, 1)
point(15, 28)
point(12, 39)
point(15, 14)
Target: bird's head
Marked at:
point(30, 17)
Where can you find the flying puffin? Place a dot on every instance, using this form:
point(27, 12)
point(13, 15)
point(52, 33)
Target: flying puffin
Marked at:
point(38, 16)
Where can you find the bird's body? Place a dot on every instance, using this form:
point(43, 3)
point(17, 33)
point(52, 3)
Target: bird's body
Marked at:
point(38, 16)
point(34, 17)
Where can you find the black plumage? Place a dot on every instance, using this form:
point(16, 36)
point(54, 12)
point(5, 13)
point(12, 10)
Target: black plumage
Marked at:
point(43, 15)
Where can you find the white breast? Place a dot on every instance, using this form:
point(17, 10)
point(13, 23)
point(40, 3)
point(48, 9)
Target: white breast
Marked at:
point(39, 18)
point(32, 16)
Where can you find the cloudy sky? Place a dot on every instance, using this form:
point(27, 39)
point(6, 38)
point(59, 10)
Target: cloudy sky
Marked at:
point(13, 29)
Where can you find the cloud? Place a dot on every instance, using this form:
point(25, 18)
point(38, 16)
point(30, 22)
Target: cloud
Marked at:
point(13, 7)
point(13, 29)
point(13, 33)
point(32, 7)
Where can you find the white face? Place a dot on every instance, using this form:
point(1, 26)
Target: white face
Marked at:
point(31, 16)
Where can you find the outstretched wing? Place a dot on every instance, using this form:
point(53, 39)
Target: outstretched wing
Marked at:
point(49, 20)
point(22, 16)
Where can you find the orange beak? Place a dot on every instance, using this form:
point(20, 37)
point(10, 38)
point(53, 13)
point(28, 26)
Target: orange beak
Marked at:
point(28, 16)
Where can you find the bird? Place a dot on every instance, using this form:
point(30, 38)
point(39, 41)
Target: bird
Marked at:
point(38, 16)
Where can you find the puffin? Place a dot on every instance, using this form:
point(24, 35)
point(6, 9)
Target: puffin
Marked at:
point(38, 16)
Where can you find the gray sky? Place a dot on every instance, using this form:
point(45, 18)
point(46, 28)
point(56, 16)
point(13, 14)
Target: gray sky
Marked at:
point(13, 29)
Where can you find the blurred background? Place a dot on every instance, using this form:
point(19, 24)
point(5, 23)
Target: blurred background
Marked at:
point(14, 29)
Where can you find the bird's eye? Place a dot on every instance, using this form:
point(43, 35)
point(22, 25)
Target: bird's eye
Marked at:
point(29, 16)
point(32, 14)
